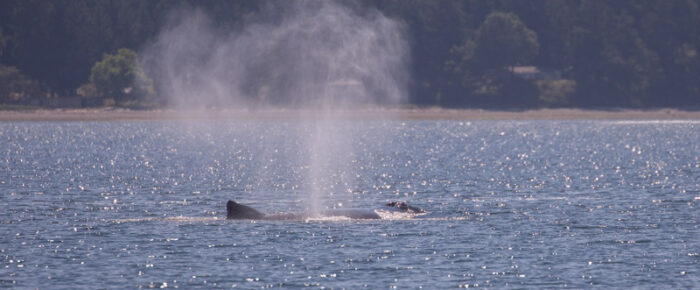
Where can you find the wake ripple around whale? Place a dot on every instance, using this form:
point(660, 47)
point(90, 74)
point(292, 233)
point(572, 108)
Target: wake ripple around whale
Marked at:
point(235, 211)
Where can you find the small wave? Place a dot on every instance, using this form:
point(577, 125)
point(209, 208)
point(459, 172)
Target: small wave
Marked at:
point(181, 219)
point(587, 227)
point(643, 241)
point(645, 122)
point(675, 200)
point(389, 218)
point(390, 215)
point(327, 219)
point(385, 216)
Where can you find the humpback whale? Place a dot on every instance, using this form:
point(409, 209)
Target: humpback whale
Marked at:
point(238, 211)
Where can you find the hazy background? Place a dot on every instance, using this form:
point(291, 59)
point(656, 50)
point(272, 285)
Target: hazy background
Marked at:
point(481, 54)
point(300, 53)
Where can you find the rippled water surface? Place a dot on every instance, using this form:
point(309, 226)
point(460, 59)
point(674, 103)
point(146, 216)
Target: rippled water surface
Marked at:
point(534, 204)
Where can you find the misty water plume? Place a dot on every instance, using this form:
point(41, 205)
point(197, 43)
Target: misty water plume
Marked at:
point(317, 56)
point(300, 54)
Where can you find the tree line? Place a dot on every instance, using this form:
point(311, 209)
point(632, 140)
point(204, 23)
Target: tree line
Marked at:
point(464, 53)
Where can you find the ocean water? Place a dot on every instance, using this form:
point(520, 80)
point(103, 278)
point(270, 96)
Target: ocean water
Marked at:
point(533, 204)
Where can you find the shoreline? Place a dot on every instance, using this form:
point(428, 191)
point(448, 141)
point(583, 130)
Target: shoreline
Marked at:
point(117, 114)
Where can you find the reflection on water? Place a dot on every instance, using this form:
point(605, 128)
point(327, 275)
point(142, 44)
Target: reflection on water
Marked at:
point(537, 204)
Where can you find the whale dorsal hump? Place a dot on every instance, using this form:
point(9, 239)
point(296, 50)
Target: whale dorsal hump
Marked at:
point(238, 211)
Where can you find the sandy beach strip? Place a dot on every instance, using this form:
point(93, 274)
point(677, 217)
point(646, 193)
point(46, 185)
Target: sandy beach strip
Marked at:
point(111, 114)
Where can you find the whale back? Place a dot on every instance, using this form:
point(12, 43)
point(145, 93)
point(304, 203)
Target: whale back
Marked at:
point(238, 211)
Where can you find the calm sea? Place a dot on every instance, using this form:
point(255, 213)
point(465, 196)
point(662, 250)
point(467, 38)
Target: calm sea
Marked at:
point(532, 204)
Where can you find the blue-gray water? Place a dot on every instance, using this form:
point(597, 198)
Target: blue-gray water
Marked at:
point(525, 204)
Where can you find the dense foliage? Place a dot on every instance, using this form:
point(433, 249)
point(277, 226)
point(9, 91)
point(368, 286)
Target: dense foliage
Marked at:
point(120, 76)
point(606, 53)
point(16, 87)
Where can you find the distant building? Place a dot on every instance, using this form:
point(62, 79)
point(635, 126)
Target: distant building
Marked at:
point(534, 73)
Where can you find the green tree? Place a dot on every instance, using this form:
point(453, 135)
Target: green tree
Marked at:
point(432, 28)
point(483, 63)
point(120, 76)
point(503, 40)
point(611, 63)
point(15, 87)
